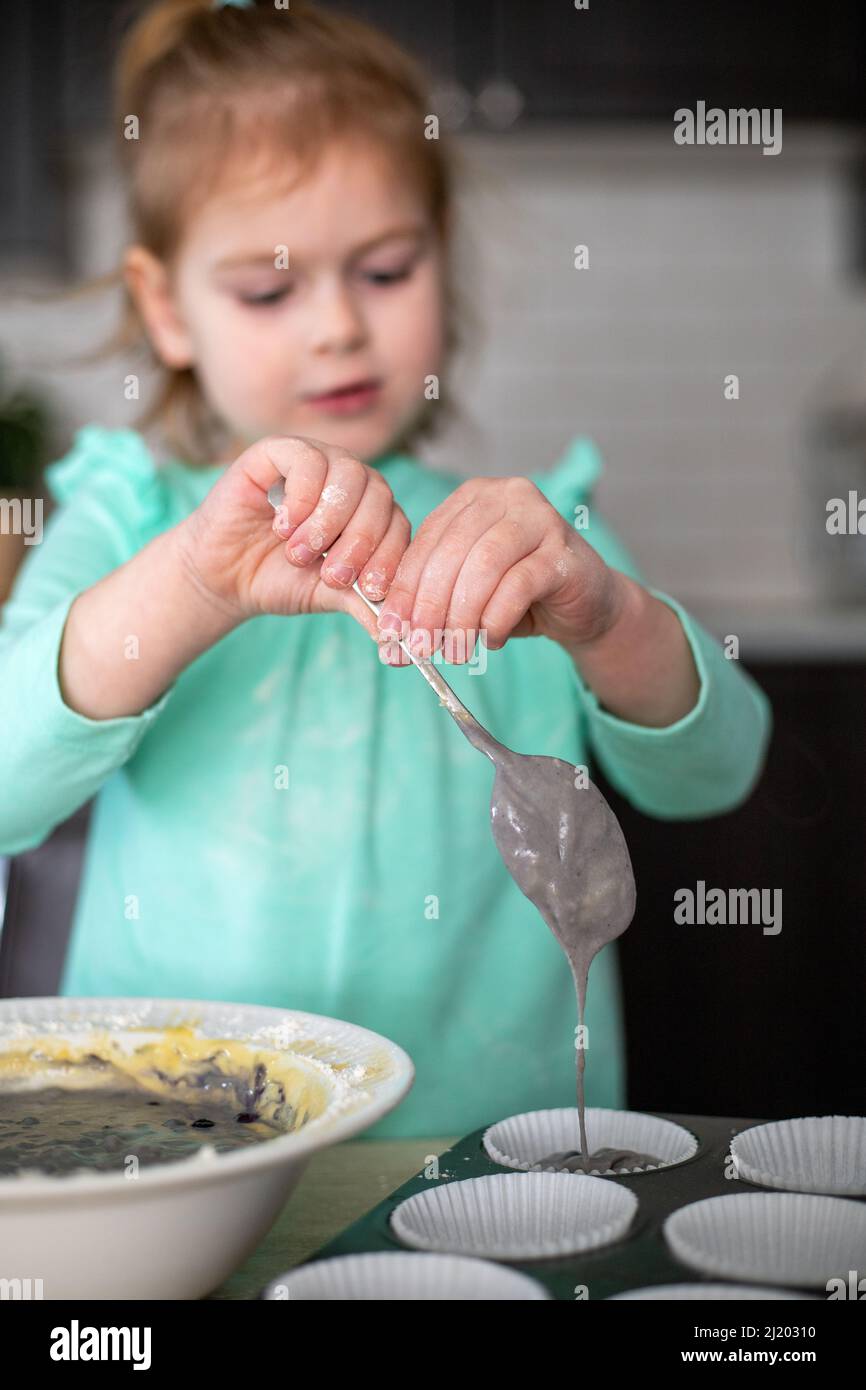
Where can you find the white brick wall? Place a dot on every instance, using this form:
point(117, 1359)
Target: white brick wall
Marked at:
point(703, 262)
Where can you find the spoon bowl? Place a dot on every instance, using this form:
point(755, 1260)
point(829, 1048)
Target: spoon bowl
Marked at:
point(563, 846)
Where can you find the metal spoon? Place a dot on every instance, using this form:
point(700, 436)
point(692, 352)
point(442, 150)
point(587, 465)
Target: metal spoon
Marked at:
point(558, 838)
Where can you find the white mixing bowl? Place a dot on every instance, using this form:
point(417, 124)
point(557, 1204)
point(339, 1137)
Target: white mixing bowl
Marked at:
point(180, 1228)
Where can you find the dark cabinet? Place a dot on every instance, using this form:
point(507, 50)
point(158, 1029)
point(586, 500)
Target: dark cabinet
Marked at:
point(726, 1019)
point(552, 62)
point(641, 61)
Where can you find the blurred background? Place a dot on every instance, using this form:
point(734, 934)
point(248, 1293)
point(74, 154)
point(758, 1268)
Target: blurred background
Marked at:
point(704, 261)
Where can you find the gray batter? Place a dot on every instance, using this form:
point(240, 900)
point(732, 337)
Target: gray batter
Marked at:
point(564, 848)
point(605, 1160)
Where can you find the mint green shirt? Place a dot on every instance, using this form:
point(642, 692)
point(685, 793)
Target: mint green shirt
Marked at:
point(369, 888)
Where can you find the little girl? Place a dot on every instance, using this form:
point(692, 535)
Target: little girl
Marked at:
point(280, 815)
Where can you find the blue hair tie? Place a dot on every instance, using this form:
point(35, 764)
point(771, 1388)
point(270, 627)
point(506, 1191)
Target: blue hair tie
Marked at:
point(239, 4)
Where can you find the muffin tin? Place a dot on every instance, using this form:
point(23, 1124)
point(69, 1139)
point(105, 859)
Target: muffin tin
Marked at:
point(638, 1259)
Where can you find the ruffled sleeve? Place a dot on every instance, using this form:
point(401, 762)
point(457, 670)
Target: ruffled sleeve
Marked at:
point(570, 482)
point(569, 485)
point(107, 463)
point(705, 763)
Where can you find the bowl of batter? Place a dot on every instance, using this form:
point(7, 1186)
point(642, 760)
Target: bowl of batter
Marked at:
point(148, 1145)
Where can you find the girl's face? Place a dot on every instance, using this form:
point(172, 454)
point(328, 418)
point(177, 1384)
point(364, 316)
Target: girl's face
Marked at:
point(281, 300)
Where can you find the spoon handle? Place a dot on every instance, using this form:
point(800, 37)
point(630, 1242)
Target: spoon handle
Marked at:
point(458, 711)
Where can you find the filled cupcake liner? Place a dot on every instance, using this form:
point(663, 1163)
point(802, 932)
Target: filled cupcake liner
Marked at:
point(398, 1276)
point(745, 1293)
point(818, 1153)
point(521, 1140)
point(784, 1238)
point(516, 1216)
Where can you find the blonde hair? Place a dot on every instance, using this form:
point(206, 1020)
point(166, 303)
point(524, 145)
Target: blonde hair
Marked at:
point(203, 83)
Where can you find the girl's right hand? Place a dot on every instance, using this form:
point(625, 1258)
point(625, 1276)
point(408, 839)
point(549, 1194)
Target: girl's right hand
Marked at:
point(235, 554)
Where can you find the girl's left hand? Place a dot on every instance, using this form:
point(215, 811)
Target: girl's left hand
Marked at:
point(496, 559)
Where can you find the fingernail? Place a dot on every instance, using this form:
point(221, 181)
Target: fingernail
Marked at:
point(390, 623)
point(342, 574)
point(374, 583)
point(303, 554)
point(282, 525)
point(392, 654)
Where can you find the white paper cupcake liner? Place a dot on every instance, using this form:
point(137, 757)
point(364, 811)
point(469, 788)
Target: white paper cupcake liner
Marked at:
point(397, 1276)
point(745, 1293)
point(782, 1238)
point(521, 1140)
point(516, 1216)
point(819, 1153)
